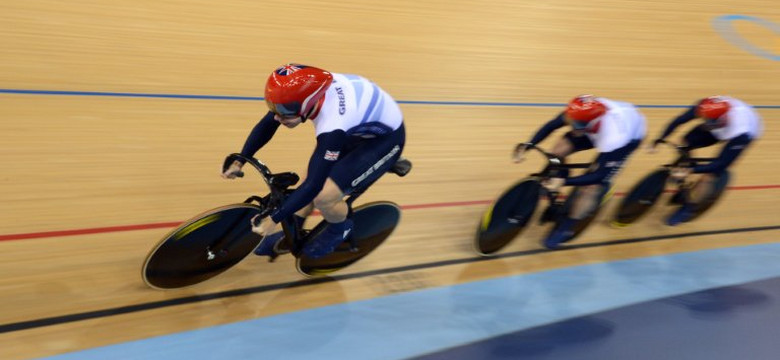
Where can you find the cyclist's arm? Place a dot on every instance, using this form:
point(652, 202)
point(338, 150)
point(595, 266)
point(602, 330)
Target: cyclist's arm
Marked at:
point(683, 118)
point(608, 164)
point(260, 135)
point(326, 153)
point(727, 156)
point(548, 128)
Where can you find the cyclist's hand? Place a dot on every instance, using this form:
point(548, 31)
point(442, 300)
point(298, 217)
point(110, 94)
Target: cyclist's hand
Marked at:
point(264, 227)
point(231, 171)
point(518, 154)
point(680, 173)
point(652, 148)
point(553, 184)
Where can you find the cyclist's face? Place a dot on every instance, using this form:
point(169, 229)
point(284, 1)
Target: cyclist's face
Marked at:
point(713, 124)
point(577, 126)
point(289, 121)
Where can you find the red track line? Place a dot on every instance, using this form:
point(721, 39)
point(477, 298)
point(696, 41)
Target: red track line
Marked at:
point(446, 204)
point(61, 233)
point(754, 187)
point(100, 230)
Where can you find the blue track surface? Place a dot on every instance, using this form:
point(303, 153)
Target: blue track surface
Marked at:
point(734, 322)
point(567, 311)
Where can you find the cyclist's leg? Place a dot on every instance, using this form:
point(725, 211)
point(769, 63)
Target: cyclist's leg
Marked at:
point(699, 137)
point(272, 244)
point(330, 202)
point(589, 197)
point(571, 142)
point(709, 182)
point(563, 148)
point(358, 169)
point(371, 160)
point(586, 196)
point(305, 211)
point(703, 187)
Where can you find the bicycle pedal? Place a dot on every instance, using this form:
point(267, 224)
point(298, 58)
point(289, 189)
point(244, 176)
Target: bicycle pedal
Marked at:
point(549, 214)
point(282, 247)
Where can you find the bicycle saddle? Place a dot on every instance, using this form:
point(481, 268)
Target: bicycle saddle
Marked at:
point(284, 180)
point(401, 167)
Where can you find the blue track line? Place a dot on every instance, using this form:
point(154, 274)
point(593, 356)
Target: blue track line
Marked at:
point(120, 94)
point(256, 98)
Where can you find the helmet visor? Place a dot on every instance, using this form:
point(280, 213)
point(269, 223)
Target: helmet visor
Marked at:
point(712, 124)
point(577, 125)
point(285, 110)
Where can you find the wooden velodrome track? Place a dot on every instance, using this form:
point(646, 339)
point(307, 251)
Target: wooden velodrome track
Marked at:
point(120, 170)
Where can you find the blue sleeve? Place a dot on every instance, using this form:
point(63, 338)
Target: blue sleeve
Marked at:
point(260, 135)
point(727, 156)
point(683, 118)
point(608, 164)
point(319, 170)
point(548, 128)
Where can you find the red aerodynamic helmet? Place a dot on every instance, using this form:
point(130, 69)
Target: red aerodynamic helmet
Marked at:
point(713, 107)
point(584, 109)
point(295, 89)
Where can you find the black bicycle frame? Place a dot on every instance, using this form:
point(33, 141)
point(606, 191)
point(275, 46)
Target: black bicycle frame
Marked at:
point(684, 160)
point(554, 168)
point(279, 193)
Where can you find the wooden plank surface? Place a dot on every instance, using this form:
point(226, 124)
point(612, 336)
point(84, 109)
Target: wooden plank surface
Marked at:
point(92, 162)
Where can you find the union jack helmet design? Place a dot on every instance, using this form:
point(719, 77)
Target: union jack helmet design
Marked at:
point(585, 108)
point(713, 107)
point(295, 89)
